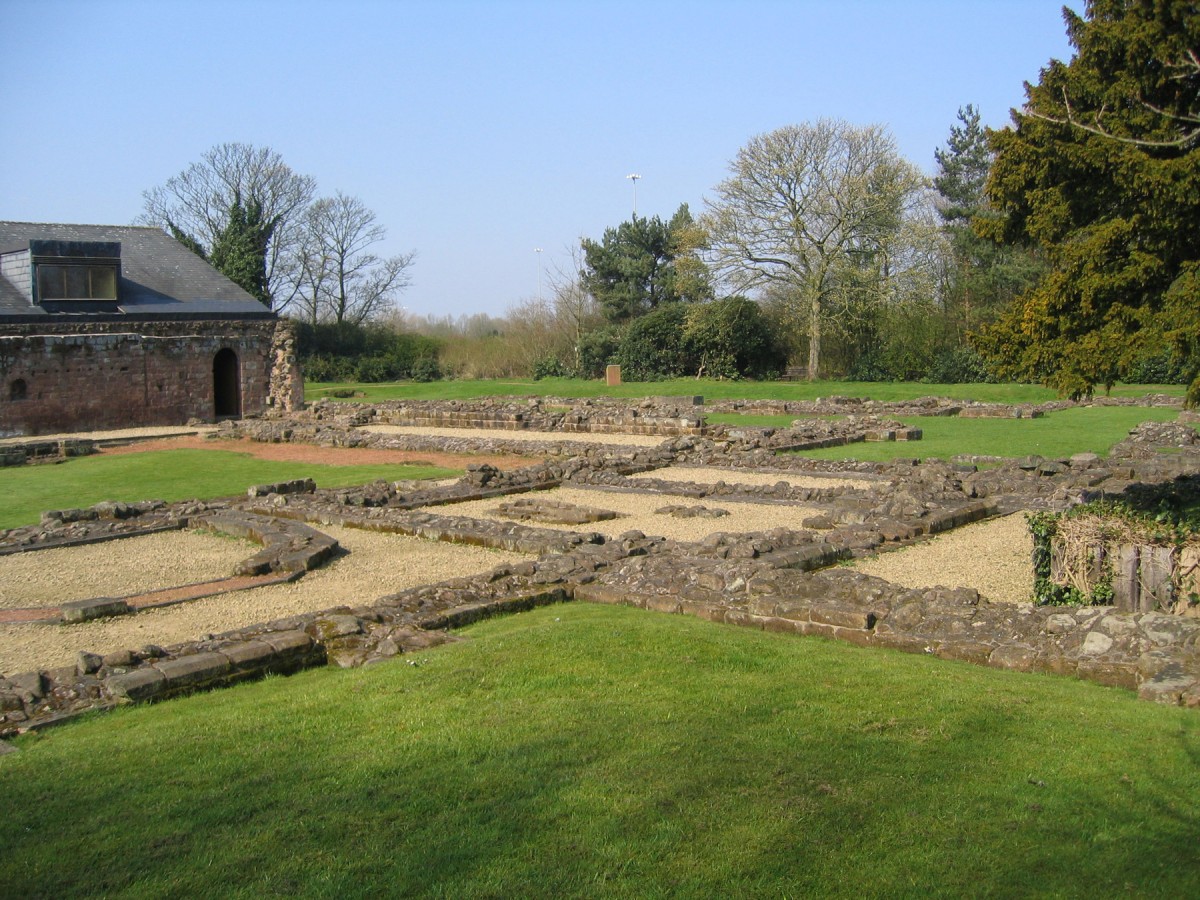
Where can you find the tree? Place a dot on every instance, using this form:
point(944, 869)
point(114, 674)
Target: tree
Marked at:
point(1101, 172)
point(196, 205)
point(239, 251)
point(981, 276)
point(643, 263)
point(340, 279)
point(811, 210)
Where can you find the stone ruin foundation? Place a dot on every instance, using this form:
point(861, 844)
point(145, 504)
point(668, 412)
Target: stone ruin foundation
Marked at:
point(781, 580)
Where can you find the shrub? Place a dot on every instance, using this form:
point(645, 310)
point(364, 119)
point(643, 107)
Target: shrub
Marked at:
point(1160, 369)
point(426, 369)
point(370, 353)
point(548, 367)
point(731, 338)
point(962, 365)
point(656, 347)
point(598, 349)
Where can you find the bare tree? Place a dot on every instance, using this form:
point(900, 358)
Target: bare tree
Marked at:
point(575, 309)
point(340, 279)
point(810, 209)
point(196, 205)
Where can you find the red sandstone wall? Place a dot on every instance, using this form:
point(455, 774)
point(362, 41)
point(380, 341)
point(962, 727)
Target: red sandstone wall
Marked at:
point(126, 374)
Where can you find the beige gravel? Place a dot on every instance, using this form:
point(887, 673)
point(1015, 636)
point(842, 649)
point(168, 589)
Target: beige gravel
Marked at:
point(492, 434)
point(118, 568)
point(378, 564)
point(707, 475)
point(993, 557)
point(638, 512)
point(117, 434)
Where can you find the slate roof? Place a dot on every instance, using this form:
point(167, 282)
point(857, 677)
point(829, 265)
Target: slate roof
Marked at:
point(160, 278)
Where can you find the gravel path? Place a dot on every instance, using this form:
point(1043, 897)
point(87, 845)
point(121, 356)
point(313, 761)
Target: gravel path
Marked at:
point(638, 512)
point(994, 557)
point(118, 434)
point(492, 434)
point(378, 564)
point(703, 475)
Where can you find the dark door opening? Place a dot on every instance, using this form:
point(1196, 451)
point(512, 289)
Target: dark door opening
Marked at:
point(227, 385)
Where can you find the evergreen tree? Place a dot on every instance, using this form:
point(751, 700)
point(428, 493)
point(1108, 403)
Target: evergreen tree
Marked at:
point(240, 249)
point(982, 276)
point(644, 263)
point(1101, 171)
point(186, 239)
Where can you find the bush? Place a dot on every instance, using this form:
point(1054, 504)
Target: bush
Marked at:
point(869, 368)
point(1161, 369)
point(731, 338)
point(598, 349)
point(655, 346)
point(548, 367)
point(962, 365)
point(369, 353)
point(426, 369)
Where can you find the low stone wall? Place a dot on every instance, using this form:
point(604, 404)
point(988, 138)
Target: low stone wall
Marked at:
point(18, 454)
point(588, 417)
point(1152, 654)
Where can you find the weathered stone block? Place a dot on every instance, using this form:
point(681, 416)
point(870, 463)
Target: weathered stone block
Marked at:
point(141, 684)
point(98, 608)
point(661, 603)
point(1015, 657)
point(1111, 674)
point(972, 652)
point(248, 655)
point(842, 616)
point(193, 671)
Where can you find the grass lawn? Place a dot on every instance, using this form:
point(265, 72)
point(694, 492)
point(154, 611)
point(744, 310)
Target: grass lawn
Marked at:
point(596, 751)
point(1055, 435)
point(710, 390)
point(169, 475)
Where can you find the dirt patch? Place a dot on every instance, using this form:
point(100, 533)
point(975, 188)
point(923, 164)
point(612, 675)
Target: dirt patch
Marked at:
point(329, 456)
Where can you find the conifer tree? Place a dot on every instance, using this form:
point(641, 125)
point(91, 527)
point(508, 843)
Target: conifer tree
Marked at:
point(1101, 172)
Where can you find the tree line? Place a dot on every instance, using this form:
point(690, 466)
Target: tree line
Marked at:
point(1061, 249)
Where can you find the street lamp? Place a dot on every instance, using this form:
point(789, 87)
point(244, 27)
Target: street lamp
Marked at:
point(634, 178)
point(538, 251)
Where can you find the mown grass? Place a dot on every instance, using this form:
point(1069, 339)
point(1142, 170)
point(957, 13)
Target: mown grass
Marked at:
point(708, 388)
point(1056, 435)
point(597, 751)
point(169, 475)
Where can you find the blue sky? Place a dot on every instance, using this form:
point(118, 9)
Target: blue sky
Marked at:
point(477, 130)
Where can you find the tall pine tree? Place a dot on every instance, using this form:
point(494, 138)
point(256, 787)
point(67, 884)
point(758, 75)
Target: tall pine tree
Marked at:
point(982, 276)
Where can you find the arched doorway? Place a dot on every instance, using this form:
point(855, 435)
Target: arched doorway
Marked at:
point(227, 385)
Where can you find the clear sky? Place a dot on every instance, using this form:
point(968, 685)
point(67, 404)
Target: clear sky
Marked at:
point(478, 130)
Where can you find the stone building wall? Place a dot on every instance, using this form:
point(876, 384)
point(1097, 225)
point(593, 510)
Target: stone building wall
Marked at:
point(70, 376)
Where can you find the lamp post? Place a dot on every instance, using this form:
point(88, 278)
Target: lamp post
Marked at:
point(538, 251)
point(634, 178)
